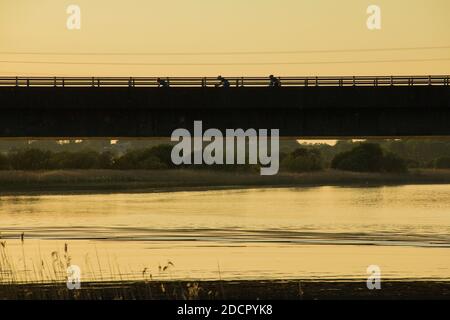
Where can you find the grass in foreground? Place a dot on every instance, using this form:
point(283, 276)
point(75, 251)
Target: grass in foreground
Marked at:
point(46, 279)
point(230, 290)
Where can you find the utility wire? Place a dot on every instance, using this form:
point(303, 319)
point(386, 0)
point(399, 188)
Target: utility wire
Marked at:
point(225, 63)
point(231, 53)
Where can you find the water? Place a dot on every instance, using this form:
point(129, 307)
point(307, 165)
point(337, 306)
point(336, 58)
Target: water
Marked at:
point(313, 233)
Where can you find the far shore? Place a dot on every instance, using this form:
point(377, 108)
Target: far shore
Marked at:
point(148, 181)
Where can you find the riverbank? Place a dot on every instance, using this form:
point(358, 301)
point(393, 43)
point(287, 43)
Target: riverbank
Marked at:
point(231, 290)
point(136, 181)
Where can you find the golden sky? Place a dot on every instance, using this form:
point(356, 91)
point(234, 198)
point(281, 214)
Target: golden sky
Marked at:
point(32, 31)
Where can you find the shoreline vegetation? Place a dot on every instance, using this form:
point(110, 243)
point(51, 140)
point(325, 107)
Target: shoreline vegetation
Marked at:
point(69, 168)
point(231, 290)
point(149, 181)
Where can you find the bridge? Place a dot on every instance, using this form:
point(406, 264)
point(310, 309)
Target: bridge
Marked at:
point(315, 107)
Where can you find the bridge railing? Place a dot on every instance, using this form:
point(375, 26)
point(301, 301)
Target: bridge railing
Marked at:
point(435, 80)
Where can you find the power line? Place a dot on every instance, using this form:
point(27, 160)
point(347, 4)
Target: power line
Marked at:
point(225, 63)
point(222, 53)
point(33, 74)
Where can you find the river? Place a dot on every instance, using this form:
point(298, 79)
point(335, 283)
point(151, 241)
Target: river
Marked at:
point(282, 233)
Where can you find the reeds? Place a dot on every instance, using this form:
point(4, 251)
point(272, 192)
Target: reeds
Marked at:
point(47, 278)
point(52, 267)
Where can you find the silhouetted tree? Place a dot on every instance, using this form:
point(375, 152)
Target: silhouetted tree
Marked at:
point(4, 162)
point(442, 163)
point(368, 157)
point(153, 158)
point(30, 159)
point(393, 163)
point(106, 160)
point(302, 159)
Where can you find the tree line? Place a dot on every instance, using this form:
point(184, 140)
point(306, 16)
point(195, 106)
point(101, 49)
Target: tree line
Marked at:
point(359, 157)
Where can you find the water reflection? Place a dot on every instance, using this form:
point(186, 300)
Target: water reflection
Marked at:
point(272, 225)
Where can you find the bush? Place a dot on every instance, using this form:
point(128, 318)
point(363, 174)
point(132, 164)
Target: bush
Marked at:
point(393, 163)
point(163, 153)
point(75, 160)
point(368, 157)
point(442, 163)
point(411, 163)
point(30, 159)
point(152, 163)
point(158, 157)
point(302, 160)
point(106, 160)
point(4, 162)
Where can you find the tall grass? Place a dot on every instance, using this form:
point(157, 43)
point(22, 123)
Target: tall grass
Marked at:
point(52, 267)
point(46, 278)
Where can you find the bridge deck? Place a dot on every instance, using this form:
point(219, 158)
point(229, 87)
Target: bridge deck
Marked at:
point(302, 107)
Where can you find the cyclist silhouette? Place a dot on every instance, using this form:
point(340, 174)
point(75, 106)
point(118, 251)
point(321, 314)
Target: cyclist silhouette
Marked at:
point(223, 82)
point(162, 83)
point(274, 81)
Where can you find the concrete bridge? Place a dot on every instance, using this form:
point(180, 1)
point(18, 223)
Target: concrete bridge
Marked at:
point(315, 107)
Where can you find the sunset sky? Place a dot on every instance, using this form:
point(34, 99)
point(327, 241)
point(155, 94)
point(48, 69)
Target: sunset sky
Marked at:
point(229, 37)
